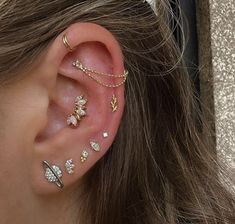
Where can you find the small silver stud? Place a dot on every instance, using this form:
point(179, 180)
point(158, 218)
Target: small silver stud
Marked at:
point(105, 135)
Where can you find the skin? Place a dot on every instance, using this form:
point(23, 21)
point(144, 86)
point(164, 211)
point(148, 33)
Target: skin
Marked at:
point(33, 126)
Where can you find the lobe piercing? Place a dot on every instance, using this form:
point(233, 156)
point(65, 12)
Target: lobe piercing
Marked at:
point(95, 146)
point(84, 156)
point(114, 103)
point(105, 135)
point(69, 166)
point(66, 43)
point(79, 111)
point(53, 174)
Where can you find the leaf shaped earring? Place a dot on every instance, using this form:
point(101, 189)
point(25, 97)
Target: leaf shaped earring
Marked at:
point(114, 103)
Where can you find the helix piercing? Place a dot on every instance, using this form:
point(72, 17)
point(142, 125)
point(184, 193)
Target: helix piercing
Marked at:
point(53, 174)
point(79, 111)
point(93, 73)
point(69, 166)
point(66, 43)
point(84, 156)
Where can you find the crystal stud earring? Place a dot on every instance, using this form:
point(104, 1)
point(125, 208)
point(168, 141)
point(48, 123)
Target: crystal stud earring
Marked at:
point(79, 111)
point(69, 166)
point(95, 146)
point(84, 156)
point(53, 174)
point(105, 135)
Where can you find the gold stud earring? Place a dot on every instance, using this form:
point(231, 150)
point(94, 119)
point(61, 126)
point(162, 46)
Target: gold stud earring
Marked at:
point(79, 111)
point(84, 156)
point(114, 103)
point(66, 43)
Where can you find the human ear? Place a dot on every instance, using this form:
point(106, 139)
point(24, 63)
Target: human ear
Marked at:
point(59, 142)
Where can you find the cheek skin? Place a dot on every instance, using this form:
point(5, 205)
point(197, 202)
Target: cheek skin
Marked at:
point(23, 113)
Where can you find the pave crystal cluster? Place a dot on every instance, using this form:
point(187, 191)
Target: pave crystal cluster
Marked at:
point(79, 111)
point(69, 166)
point(51, 177)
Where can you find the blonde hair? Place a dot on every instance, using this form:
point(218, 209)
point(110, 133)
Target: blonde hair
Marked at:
point(160, 169)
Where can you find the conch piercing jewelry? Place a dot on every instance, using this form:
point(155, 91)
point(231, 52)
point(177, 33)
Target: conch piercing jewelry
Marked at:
point(84, 156)
point(95, 146)
point(91, 73)
point(79, 111)
point(69, 166)
point(66, 43)
point(114, 103)
point(53, 174)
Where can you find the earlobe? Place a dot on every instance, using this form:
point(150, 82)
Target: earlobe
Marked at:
point(85, 109)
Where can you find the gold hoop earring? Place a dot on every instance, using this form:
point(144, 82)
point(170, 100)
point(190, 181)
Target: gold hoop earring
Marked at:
point(66, 43)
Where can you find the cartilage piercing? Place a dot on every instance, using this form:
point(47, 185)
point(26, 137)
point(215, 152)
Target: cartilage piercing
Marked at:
point(105, 135)
point(53, 174)
point(93, 73)
point(66, 43)
point(114, 103)
point(79, 111)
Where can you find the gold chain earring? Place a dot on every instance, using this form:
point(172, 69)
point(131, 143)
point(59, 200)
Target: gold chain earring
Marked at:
point(92, 74)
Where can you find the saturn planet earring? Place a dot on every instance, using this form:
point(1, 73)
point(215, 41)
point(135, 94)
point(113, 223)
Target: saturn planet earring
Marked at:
point(53, 174)
point(79, 111)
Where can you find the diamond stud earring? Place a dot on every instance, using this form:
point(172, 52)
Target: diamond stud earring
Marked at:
point(53, 174)
point(84, 156)
point(79, 111)
point(105, 135)
point(95, 146)
point(69, 166)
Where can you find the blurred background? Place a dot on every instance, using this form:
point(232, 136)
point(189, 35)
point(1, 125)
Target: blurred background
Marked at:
point(209, 30)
